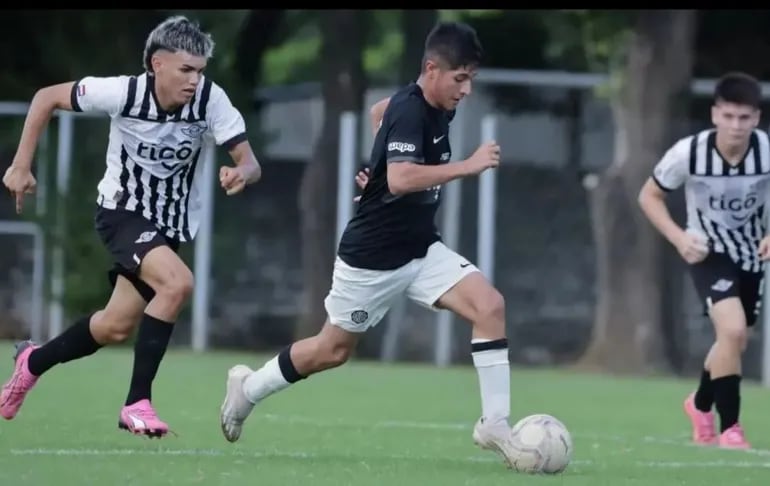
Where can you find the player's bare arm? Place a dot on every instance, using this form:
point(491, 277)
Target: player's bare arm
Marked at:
point(246, 171)
point(376, 112)
point(764, 248)
point(652, 200)
point(405, 177)
point(18, 177)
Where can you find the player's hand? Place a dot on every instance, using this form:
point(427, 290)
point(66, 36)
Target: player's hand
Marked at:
point(487, 156)
point(19, 182)
point(693, 247)
point(232, 179)
point(764, 248)
point(362, 178)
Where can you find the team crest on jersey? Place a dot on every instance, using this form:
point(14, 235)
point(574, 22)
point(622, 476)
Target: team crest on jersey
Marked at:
point(195, 130)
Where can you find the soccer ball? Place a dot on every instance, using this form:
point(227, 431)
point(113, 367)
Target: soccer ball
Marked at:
point(542, 444)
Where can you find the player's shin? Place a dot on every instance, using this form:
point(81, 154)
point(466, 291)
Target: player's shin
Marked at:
point(490, 357)
point(74, 343)
point(275, 375)
point(726, 379)
point(150, 347)
point(704, 395)
point(730, 326)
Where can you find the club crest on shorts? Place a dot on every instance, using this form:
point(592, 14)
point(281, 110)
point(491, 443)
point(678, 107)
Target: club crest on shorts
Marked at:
point(146, 236)
point(359, 316)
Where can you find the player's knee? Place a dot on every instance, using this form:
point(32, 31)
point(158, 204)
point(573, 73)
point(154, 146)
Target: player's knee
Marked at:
point(333, 354)
point(177, 288)
point(734, 336)
point(112, 328)
point(338, 355)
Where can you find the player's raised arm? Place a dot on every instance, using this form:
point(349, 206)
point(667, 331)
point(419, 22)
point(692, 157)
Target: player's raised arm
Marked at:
point(87, 94)
point(246, 171)
point(669, 174)
point(229, 130)
point(376, 112)
point(18, 178)
point(409, 177)
point(45, 101)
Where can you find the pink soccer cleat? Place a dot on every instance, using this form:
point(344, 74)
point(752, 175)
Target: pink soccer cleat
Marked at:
point(703, 432)
point(733, 438)
point(140, 418)
point(21, 382)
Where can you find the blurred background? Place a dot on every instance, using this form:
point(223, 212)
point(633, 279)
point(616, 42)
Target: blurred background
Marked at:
point(584, 104)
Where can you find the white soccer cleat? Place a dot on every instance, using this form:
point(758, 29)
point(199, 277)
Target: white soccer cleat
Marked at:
point(236, 406)
point(495, 437)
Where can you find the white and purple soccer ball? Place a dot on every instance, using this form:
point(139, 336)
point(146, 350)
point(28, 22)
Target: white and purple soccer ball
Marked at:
point(542, 443)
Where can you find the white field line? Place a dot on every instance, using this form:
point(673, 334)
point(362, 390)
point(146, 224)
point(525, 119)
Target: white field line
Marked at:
point(681, 441)
point(222, 453)
point(394, 424)
point(313, 456)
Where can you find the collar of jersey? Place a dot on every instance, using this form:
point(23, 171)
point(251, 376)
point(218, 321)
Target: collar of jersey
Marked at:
point(161, 111)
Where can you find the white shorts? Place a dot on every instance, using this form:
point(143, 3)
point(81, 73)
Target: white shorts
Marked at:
point(360, 298)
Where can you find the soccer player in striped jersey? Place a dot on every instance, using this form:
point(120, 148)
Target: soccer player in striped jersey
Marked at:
point(147, 204)
point(725, 171)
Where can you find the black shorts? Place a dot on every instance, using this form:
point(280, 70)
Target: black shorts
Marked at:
point(718, 277)
point(129, 237)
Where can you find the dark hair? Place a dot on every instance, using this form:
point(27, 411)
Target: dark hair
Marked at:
point(174, 34)
point(739, 88)
point(453, 44)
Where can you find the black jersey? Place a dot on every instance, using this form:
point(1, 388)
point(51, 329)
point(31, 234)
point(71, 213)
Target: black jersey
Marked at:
point(388, 231)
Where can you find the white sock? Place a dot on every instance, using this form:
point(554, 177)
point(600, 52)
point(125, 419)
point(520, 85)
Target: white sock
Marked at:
point(264, 381)
point(494, 381)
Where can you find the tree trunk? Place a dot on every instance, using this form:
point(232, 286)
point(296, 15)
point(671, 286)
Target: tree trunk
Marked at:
point(343, 83)
point(631, 311)
point(415, 24)
point(254, 37)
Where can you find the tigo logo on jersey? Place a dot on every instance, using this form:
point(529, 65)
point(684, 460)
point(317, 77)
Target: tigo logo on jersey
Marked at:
point(160, 152)
point(722, 203)
point(401, 147)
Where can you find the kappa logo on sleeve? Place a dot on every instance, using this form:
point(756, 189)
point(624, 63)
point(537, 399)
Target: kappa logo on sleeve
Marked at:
point(401, 147)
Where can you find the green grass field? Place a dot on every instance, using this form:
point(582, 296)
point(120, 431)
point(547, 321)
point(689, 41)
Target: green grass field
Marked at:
point(362, 424)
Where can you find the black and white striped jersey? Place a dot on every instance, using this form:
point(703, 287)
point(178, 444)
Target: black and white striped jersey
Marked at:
point(153, 157)
point(726, 203)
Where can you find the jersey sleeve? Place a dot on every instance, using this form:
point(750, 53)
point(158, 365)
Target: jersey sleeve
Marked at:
point(225, 121)
point(93, 93)
point(404, 140)
point(674, 167)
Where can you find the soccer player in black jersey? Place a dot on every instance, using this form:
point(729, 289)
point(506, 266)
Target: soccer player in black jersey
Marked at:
point(391, 247)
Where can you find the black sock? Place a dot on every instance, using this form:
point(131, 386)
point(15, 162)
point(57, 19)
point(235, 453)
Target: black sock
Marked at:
point(288, 370)
point(704, 395)
point(727, 397)
point(149, 348)
point(76, 342)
